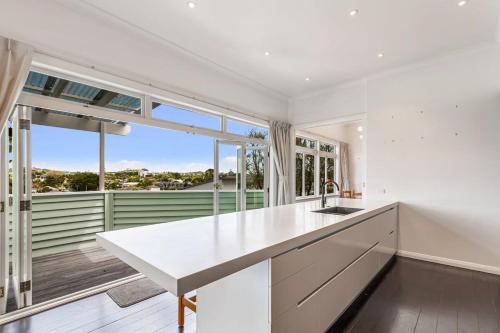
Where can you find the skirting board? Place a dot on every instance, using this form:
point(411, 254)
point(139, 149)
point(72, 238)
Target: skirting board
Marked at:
point(451, 262)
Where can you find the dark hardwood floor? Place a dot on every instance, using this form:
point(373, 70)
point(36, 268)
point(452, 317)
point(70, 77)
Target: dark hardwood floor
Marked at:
point(414, 296)
point(422, 297)
point(100, 314)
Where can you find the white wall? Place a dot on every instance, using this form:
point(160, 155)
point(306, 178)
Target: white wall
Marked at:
point(58, 30)
point(348, 133)
point(433, 143)
point(338, 102)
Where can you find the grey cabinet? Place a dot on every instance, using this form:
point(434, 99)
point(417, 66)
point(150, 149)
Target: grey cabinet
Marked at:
point(313, 284)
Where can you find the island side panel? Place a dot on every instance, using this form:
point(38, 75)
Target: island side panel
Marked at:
point(237, 303)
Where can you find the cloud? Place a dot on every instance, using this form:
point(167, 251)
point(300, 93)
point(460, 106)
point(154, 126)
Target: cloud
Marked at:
point(68, 166)
point(157, 167)
point(228, 163)
point(124, 164)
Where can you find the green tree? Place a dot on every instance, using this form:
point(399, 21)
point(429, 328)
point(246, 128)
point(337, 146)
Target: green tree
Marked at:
point(208, 175)
point(255, 163)
point(134, 179)
point(112, 185)
point(83, 181)
point(145, 183)
point(54, 180)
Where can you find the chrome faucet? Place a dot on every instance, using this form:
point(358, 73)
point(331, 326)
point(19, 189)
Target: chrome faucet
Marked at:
point(323, 190)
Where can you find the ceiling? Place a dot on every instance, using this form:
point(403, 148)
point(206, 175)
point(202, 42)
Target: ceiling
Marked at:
point(317, 39)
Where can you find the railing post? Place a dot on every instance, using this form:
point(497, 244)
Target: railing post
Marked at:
point(108, 211)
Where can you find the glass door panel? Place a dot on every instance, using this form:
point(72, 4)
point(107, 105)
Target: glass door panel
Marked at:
point(299, 174)
point(21, 206)
point(4, 219)
point(229, 184)
point(327, 172)
point(330, 173)
point(308, 174)
point(256, 163)
point(240, 176)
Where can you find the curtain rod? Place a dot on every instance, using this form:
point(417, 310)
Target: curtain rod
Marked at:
point(92, 67)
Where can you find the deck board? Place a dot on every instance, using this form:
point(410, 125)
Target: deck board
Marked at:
point(63, 273)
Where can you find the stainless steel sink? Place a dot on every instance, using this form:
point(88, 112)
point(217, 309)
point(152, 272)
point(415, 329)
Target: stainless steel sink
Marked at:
point(338, 210)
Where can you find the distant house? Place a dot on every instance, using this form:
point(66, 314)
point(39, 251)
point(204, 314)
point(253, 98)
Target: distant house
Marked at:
point(145, 173)
point(228, 184)
point(129, 185)
point(154, 188)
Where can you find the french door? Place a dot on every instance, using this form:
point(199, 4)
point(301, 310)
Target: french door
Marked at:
point(240, 169)
point(15, 192)
point(4, 218)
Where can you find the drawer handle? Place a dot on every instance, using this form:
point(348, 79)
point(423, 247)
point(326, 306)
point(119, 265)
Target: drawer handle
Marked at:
point(391, 232)
point(315, 291)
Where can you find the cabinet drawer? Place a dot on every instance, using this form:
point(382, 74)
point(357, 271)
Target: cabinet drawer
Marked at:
point(297, 273)
point(350, 242)
point(387, 247)
point(320, 309)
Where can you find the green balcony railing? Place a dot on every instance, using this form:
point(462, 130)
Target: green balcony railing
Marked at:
point(68, 221)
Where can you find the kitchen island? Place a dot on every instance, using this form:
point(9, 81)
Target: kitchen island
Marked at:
point(276, 269)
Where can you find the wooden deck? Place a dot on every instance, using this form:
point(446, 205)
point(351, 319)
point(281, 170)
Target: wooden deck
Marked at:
point(61, 274)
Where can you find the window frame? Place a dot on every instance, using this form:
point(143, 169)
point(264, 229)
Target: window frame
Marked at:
point(246, 122)
point(185, 108)
point(317, 153)
point(94, 84)
point(147, 94)
point(145, 116)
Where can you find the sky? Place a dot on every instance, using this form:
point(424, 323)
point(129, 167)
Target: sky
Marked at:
point(155, 149)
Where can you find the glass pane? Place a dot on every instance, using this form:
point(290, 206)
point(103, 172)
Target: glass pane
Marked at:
point(298, 174)
point(5, 225)
point(137, 161)
point(42, 84)
point(186, 117)
point(229, 178)
point(330, 172)
point(245, 129)
point(21, 191)
point(306, 143)
point(254, 178)
point(73, 166)
point(327, 147)
point(322, 169)
point(309, 175)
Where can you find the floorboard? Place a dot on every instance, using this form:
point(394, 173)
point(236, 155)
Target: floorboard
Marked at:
point(414, 296)
point(67, 272)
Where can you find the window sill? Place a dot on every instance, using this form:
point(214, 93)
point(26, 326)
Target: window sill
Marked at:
point(315, 197)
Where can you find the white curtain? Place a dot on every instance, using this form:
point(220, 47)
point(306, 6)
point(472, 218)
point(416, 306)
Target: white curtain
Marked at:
point(280, 141)
point(344, 167)
point(15, 62)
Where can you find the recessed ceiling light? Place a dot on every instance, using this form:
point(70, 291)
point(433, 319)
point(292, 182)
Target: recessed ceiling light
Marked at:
point(267, 53)
point(354, 12)
point(361, 136)
point(308, 79)
point(191, 4)
point(360, 128)
point(380, 55)
point(462, 3)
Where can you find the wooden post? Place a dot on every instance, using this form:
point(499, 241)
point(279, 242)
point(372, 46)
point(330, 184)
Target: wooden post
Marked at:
point(102, 170)
point(182, 303)
point(108, 210)
point(180, 312)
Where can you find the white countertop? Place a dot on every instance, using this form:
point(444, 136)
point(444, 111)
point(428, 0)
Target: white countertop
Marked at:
point(185, 255)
